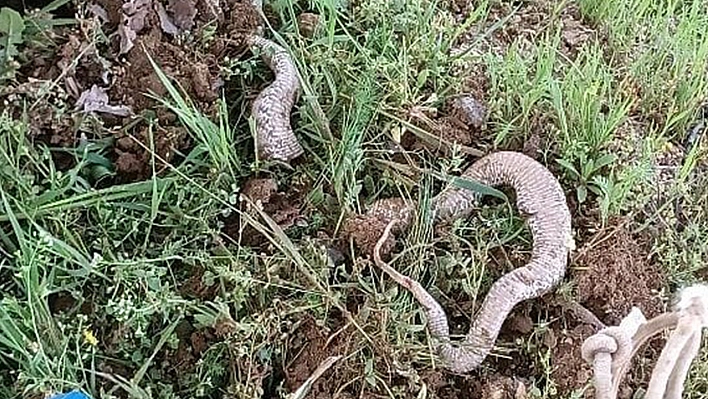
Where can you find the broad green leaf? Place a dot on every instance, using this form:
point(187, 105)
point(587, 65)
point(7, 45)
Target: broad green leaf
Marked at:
point(11, 24)
point(605, 160)
point(569, 166)
point(11, 27)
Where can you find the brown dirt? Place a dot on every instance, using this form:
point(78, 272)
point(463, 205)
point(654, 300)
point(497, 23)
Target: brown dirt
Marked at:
point(570, 371)
point(532, 19)
point(308, 348)
point(461, 121)
point(613, 272)
point(309, 24)
point(366, 230)
point(77, 65)
point(133, 161)
point(283, 207)
point(194, 287)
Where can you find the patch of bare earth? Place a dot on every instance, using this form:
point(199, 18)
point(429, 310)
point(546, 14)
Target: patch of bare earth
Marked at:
point(310, 345)
point(259, 194)
point(55, 81)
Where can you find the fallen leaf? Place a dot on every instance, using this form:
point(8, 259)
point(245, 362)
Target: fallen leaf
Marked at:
point(132, 21)
point(165, 21)
point(183, 13)
point(96, 100)
point(99, 12)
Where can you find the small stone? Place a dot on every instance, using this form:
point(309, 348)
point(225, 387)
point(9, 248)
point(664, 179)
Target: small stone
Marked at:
point(469, 111)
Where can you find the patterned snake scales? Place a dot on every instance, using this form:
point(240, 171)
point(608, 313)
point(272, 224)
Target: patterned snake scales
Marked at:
point(539, 197)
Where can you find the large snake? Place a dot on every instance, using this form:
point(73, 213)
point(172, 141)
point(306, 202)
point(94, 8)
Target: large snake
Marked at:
point(541, 199)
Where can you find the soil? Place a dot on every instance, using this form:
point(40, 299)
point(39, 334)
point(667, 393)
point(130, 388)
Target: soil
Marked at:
point(461, 121)
point(263, 194)
point(308, 349)
point(629, 278)
point(129, 80)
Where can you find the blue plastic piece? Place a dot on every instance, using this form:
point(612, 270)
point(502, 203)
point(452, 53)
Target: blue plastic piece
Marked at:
point(71, 395)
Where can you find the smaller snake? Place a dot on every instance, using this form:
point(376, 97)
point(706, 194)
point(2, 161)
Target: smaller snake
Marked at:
point(539, 197)
point(271, 109)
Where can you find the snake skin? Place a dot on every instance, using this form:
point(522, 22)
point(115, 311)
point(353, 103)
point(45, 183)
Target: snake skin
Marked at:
point(541, 199)
point(271, 109)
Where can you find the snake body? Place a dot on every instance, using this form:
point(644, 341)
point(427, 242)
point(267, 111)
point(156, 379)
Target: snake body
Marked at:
point(541, 199)
point(271, 109)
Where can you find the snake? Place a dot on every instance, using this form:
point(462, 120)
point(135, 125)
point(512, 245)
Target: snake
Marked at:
point(275, 139)
point(540, 199)
point(272, 107)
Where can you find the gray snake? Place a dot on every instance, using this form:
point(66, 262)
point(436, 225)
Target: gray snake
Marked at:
point(275, 139)
point(271, 109)
point(539, 197)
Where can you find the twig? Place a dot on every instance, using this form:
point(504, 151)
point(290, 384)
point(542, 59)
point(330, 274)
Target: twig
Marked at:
point(307, 385)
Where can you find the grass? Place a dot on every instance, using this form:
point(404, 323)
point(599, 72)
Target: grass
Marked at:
point(95, 273)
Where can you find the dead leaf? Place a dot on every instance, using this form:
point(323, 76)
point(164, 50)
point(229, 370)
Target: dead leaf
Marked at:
point(99, 12)
point(96, 100)
point(132, 22)
point(183, 13)
point(165, 21)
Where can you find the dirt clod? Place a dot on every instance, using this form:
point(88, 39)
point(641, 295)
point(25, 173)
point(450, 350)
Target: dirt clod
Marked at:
point(183, 13)
point(469, 111)
point(366, 230)
point(260, 190)
point(614, 273)
point(308, 23)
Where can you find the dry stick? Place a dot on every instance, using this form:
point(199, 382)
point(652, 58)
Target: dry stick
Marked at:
point(674, 387)
point(669, 356)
